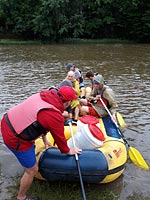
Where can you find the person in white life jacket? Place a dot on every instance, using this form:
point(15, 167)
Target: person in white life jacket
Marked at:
point(35, 117)
point(93, 106)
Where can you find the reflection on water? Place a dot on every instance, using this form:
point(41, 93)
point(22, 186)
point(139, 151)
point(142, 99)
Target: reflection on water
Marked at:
point(25, 70)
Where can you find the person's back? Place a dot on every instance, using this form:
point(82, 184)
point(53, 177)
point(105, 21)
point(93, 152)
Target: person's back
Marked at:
point(65, 83)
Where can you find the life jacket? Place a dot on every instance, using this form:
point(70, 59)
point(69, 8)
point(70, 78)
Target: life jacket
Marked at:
point(23, 117)
point(99, 103)
point(76, 87)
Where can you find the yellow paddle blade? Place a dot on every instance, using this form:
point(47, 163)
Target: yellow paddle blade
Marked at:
point(137, 158)
point(121, 120)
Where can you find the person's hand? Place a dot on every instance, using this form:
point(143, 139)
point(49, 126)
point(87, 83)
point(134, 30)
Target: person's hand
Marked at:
point(83, 102)
point(48, 145)
point(114, 118)
point(46, 142)
point(74, 151)
point(90, 98)
point(97, 97)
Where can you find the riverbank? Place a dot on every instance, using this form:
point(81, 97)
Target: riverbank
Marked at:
point(65, 41)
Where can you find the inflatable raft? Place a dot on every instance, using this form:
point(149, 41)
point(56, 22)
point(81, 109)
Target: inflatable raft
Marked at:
point(102, 164)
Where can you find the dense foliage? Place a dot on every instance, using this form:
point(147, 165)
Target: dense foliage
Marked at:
point(58, 19)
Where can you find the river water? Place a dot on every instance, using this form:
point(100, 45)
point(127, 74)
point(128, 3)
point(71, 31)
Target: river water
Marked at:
point(25, 70)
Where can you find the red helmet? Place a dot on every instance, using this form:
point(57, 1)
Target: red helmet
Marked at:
point(67, 93)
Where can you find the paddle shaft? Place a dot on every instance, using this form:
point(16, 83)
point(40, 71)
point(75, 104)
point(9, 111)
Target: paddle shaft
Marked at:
point(78, 164)
point(114, 122)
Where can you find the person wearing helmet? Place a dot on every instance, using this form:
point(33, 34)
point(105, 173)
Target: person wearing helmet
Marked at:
point(93, 106)
point(78, 77)
point(35, 117)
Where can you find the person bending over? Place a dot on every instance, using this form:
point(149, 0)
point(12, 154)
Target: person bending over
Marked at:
point(35, 117)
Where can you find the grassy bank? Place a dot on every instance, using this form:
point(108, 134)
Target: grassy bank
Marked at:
point(65, 41)
point(18, 42)
point(71, 191)
point(96, 41)
point(65, 191)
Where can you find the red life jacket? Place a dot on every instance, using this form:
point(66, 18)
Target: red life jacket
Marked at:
point(23, 117)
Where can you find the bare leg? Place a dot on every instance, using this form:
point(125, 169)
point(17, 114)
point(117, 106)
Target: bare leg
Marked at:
point(76, 112)
point(83, 102)
point(84, 110)
point(66, 115)
point(87, 95)
point(83, 92)
point(26, 181)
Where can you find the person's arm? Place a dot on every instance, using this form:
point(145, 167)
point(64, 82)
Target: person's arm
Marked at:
point(110, 96)
point(54, 122)
point(46, 142)
point(69, 110)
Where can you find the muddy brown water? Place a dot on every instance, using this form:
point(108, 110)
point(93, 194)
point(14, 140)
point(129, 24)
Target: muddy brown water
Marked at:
point(25, 70)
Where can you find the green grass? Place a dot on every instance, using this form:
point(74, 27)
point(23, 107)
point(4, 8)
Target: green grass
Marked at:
point(95, 41)
point(65, 41)
point(18, 42)
point(70, 191)
point(65, 191)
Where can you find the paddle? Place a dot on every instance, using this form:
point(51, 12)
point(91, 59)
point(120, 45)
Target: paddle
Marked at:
point(121, 120)
point(78, 165)
point(134, 154)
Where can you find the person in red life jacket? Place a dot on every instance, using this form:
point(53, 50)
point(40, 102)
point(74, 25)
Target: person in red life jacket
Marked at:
point(93, 106)
point(35, 117)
